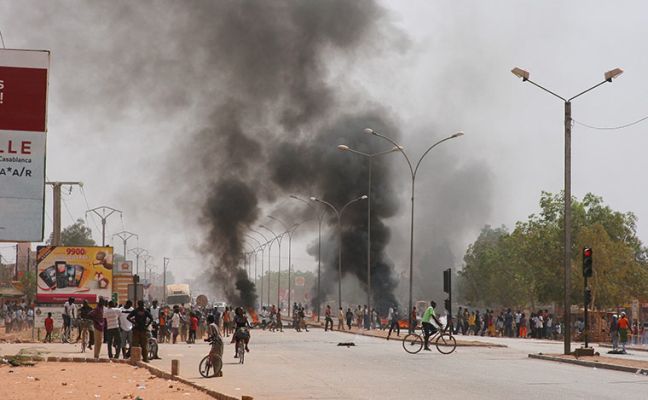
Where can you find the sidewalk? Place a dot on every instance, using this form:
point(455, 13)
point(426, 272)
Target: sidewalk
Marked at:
point(617, 364)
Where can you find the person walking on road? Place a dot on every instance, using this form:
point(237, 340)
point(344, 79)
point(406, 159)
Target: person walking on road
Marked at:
point(97, 317)
point(340, 319)
point(113, 339)
point(327, 318)
point(126, 329)
point(141, 319)
point(175, 324)
point(349, 318)
point(624, 330)
point(392, 317)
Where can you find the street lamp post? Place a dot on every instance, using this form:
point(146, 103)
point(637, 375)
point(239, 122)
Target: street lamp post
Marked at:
point(103, 215)
point(413, 171)
point(290, 231)
point(166, 261)
point(608, 76)
point(320, 217)
point(259, 248)
point(138, 251)
point(269, 244)
point(278, 238)
point(370, 158)
point(338, 214)
point(125, 236)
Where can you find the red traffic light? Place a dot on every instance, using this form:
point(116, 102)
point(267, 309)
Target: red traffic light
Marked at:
point(587, 252)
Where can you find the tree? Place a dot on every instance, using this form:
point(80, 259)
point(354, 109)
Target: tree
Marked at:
point(525, 267)
point(77, 234)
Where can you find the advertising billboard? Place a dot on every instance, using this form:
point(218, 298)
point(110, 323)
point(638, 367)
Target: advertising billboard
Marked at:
point(84, 273)
point(23, 123)
point(124, 268)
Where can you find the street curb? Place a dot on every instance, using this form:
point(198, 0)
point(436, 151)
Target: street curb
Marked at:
point(140, 364)
point(591, 364)
point(608, 346)
point(459, 344)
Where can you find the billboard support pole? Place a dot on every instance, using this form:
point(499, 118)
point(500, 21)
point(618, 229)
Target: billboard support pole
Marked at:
point(56, 211)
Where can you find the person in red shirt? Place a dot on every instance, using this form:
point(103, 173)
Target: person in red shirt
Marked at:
point(49, 327)
point(193, 328)
point(624, 327)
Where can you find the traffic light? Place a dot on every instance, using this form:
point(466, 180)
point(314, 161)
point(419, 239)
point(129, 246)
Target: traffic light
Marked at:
point(588, 296)
point(447, 280)
point(447, 304)
point(587, 262)
point(136, 279)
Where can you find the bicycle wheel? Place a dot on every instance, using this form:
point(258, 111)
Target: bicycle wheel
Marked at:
point(206, 368)
point(412, 343)
point(446, 343)
point(152, 350)
point(241, 352)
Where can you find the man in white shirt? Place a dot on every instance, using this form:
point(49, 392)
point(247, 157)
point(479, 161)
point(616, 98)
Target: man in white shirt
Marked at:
point(111, 314)
point(69, 313)
point(126, 329)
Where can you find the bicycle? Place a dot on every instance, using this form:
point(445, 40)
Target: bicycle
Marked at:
point(240, 350)
point(211, 364)
point(443, 339)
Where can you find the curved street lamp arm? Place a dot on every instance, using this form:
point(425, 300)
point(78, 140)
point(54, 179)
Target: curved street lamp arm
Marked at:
point(328, 204)
point(585, 91)
point(548, 91)
point(363, 197)
point(253, 238)
point(428, 150)
point(398, 147)
point(260, 234)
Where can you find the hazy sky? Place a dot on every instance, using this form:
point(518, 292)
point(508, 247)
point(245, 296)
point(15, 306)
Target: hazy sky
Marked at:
point(117, 122)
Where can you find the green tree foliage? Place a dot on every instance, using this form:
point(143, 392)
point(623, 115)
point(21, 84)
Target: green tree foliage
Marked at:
point(525, 266)
point(28, 283)
point(77, 234)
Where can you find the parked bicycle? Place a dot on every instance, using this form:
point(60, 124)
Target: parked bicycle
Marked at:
point(443, 340)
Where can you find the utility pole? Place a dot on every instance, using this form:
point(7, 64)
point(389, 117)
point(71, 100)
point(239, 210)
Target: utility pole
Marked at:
point(104, 214)
point(146, 258)
point(124, 236)
point(56, 190)
point(138, 251)
point(166, 261)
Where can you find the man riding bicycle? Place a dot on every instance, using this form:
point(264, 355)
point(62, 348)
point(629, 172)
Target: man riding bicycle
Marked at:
point(241, 330)
point(85, 324)
point(428, 328)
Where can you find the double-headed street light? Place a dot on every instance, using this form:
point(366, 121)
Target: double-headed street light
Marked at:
point(338, 214)
point(607, 77)
point(320, 217)
point(370, 158)
point(413, 170)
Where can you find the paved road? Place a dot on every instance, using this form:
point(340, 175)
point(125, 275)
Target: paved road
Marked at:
point(293, 365)
point(311, 366)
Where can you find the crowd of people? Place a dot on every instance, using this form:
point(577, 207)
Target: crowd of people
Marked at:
point(17, 316)
point(507, 323)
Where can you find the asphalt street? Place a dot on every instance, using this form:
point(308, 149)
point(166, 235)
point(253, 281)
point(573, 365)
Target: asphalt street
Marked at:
point(293, 365)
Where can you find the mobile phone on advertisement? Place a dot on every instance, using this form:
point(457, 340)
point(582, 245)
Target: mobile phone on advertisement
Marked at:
point(49, 276)
point(78, 274)
point(71, 276)
point(61, 274)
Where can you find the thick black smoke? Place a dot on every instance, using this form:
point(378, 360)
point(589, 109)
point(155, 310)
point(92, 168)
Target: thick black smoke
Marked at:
point(275, 130)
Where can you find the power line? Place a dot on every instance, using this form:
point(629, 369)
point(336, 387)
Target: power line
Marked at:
point(610, 128)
